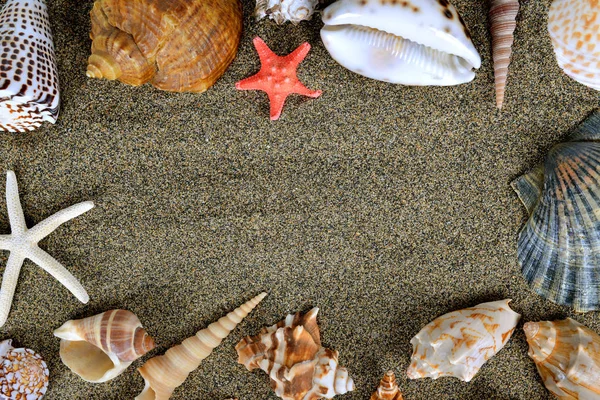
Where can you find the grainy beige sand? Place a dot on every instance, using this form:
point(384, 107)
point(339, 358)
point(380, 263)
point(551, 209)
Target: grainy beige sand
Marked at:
point(386, 206)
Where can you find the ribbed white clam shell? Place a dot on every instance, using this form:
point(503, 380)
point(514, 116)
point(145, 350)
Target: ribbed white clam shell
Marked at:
point(418, 42)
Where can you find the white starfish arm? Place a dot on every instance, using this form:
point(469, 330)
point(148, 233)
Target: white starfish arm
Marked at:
point(48, 225)
point(13, 204)
point(54, 268)
point(5, 242)
point(9, 284)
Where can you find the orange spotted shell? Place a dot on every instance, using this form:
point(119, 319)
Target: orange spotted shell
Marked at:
point(23, 373)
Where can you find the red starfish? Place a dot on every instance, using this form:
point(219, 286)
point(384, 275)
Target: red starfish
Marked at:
point(277, 76)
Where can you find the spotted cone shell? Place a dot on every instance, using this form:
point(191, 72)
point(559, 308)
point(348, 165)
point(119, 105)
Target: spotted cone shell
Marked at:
point(177, 45)
point(559, 245)
point(23, 373)
point(574, 27)
point(458, 343)
point(291, 353)
point(388, 388)
point(567, 356)
point(29, 93)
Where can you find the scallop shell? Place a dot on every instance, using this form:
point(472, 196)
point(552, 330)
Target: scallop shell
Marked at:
point(573, 26)
point(23, 373)
point(177, 45)
point(282, 11)
point(388, 388)
point(101, 347)
point(559, 245)
point(165, 373)
point(503, 20)
point(29, 93)
point(291, 353)
point(567, 356)
point(417, 42)
point(458, 343)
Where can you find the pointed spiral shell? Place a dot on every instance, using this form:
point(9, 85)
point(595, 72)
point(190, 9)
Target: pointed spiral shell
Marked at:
point(388, 388)
point(503, 15)
point(164, 373)
point(100, 347)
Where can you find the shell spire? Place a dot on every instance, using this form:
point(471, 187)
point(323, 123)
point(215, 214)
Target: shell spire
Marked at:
point(164, 373)
point(503, 20)
point(29, 93)
point(388, 388)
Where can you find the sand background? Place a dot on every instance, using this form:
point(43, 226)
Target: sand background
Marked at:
point(384, 205)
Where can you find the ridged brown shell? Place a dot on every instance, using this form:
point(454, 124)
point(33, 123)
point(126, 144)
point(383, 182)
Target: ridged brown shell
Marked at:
point(177, 45)
point(388, 388)
point(559, 246)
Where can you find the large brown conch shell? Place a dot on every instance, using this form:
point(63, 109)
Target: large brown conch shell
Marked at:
point(503, 20)
point(291, 353)
point(177, 45)
point(101, 347)
point(164, 373)
point(567, 356)
point(388, 388)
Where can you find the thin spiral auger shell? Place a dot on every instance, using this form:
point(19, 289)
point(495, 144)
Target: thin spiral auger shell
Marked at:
point(503, 14)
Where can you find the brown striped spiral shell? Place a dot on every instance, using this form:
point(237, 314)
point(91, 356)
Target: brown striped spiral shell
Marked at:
point(101, 347)
point(503, 20)
point(388, 388)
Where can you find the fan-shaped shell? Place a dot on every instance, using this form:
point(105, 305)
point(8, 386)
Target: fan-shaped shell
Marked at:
point(459, 343)
point(417, 42)
point(177, 45)
point(29, 92)
point(573, 26)
point(282, 11)
point(291, 353)
point(559, 245)
point(23, 373)
point(101, 347)
point(567, 356)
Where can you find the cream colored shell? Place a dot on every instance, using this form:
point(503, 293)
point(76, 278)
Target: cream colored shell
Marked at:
point(282, 11)
point(458, 343)
point(291, 353)
point(567, 356)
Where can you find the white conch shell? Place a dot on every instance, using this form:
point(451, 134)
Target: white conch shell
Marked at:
point(291, 353)
point(281, 11)
point(417, 42)
point(164, 373)
point(567, 356)
point(23, 373)
point(459, 343)
point(101, 347)
point(29, 93)
point(573, 26)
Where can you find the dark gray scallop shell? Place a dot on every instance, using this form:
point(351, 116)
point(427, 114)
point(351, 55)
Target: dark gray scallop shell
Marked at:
point(559, 246)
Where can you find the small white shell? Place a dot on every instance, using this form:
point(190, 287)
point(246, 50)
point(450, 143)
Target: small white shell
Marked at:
point(459, 343)
point(282, 11)
point(416, 42)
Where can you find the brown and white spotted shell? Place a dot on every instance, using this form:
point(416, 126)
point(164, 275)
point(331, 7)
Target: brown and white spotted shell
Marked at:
point(29, 93)
point(23, 373)
point(388, 388)
point(101, 347)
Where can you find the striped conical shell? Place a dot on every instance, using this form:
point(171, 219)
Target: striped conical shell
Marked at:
point(177, 45)
point(164, 373)
point(388, 388)
point(291, 353)
point(567, 356)
point(503, 21)
point(559, 246)
point(101, 347)
point(29, 93)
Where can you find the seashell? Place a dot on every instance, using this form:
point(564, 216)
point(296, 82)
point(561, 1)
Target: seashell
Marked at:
point(559, 245)
point(421, 42)
point(291, 353)
point(23, 373)
point(29, 93)
point(101, 347)
point(282, 11)
point(388, 388)
point(567, 356)
point(573, 26)
point(458, 343)
point(177, 45)
point(503, 20)
point(164, 373)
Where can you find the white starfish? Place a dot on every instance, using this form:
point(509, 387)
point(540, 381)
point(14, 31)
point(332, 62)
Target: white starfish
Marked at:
point(23, 243)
